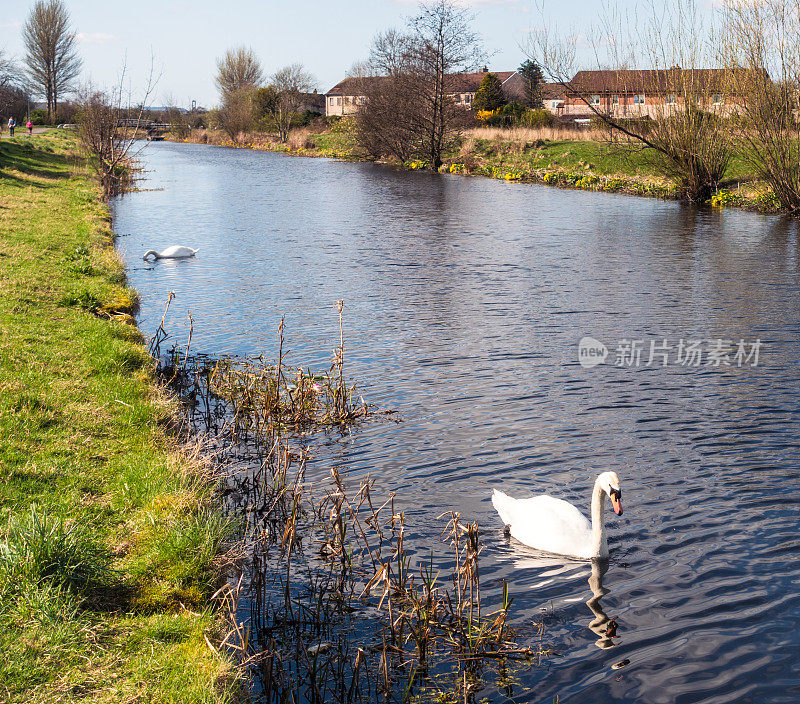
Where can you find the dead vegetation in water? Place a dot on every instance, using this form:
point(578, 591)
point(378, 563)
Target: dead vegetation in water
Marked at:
point(333, 603)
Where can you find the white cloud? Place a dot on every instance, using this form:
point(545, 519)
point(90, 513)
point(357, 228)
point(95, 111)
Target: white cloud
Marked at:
point(4, 25)
point(94, 37)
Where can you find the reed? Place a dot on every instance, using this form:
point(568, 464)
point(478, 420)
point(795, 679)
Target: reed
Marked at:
point(525, 135)
point(334, 605)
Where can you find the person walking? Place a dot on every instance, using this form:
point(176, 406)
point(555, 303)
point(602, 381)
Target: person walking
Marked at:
point(30, 128)
point(12, 123)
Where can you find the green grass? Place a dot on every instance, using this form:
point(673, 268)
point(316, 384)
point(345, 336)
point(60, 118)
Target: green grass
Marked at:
point(109, 535)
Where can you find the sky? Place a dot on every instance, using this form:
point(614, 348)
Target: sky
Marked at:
point(183, 39)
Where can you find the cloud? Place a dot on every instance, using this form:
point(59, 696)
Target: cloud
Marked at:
point(94, 37)
point(4, 25)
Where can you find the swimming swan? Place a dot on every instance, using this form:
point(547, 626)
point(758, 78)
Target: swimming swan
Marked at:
point(174, 252)
point(556, 526)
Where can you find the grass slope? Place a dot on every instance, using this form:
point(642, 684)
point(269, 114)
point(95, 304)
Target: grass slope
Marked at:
point(108, 534)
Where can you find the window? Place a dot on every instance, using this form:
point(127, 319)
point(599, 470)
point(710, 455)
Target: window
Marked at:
point(717, 99)
point(338, 101)
point(331, 100)
point(615, 100)
point(595, 100)
point(671, 99)
point(638, 99)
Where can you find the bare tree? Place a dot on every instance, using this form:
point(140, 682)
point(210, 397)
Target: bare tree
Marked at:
point(239, 68)
point(9, 71)
point(108, 131)
point(407, 109)
point(51, 57)
point(762, 38)
point(13, 98)
point(443, 43)
point(671, 109)
point(284, 97)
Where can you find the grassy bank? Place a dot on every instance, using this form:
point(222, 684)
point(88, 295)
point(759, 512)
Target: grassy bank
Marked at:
point(582, 159)
point(110, 538)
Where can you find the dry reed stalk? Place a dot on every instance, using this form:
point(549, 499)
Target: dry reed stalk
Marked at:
point(525, 135)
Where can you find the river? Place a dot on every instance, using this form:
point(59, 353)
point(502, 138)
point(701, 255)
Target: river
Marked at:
point(465, 300)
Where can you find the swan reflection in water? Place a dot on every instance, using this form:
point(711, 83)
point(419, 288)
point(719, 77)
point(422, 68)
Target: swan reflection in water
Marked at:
point(602, 625)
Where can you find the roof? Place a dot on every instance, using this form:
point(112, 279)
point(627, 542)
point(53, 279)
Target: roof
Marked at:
point(455, 82)
point(650, 80)
point(351, 85)
point(470, 82)
point(552, 91)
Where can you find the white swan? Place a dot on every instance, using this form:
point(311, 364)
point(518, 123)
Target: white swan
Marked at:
point(556, 526)
point(174, 252)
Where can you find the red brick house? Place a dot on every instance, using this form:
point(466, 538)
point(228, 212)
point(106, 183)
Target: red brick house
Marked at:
point(653, 92)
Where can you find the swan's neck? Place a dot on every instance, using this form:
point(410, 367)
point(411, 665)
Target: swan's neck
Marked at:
point(149, 252)
point(599, 545)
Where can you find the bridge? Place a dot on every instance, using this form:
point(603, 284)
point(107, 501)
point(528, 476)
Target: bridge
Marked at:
point(154, 130)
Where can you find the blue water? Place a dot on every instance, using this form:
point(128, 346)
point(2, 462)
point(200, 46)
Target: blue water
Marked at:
point(465, 300)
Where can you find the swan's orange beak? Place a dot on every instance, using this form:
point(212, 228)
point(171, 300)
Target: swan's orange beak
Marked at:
point(616, 501)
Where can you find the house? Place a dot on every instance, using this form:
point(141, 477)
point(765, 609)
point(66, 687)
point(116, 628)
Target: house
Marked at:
point(463, 86)
point(651, 92)
point(553, 96)
point(346, 96)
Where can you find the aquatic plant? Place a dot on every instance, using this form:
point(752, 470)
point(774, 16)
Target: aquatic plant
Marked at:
point(334, 604)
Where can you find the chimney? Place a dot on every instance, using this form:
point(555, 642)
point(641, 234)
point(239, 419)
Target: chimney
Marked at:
point(484, 70)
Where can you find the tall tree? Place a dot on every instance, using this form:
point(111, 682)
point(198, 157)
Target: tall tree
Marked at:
point(444, 43)
point(532, 78)
point(489, 95)
point(51, 57)
point(239, 68)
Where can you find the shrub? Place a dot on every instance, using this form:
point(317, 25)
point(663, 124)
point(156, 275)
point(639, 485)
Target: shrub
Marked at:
point(537, 119)
point(38, 116)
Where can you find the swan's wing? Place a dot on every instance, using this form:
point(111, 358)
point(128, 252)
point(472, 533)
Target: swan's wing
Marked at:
point(546, 523)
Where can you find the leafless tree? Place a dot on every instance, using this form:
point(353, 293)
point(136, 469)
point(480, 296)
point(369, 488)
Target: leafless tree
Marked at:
point(51, 58)
point(284, 97)
point(763, 38)
point(407, 109)
point(9, 71)
point(108, 131)
point(684, 126)
point(239, 68)
point(13, 99)
point(443, 43)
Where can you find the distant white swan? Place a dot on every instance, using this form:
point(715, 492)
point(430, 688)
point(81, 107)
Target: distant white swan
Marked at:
point(174, 252)
point(556, 526)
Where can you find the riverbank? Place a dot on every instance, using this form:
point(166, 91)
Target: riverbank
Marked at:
point(576, 159)
point(111, 538)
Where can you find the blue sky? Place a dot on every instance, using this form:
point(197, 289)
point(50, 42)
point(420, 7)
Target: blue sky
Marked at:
point(185, 38)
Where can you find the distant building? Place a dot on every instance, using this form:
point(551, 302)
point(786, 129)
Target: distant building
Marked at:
point(347, 95)
point(647, 93)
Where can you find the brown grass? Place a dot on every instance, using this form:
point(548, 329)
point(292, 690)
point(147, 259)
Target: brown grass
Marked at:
point(529, 134)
